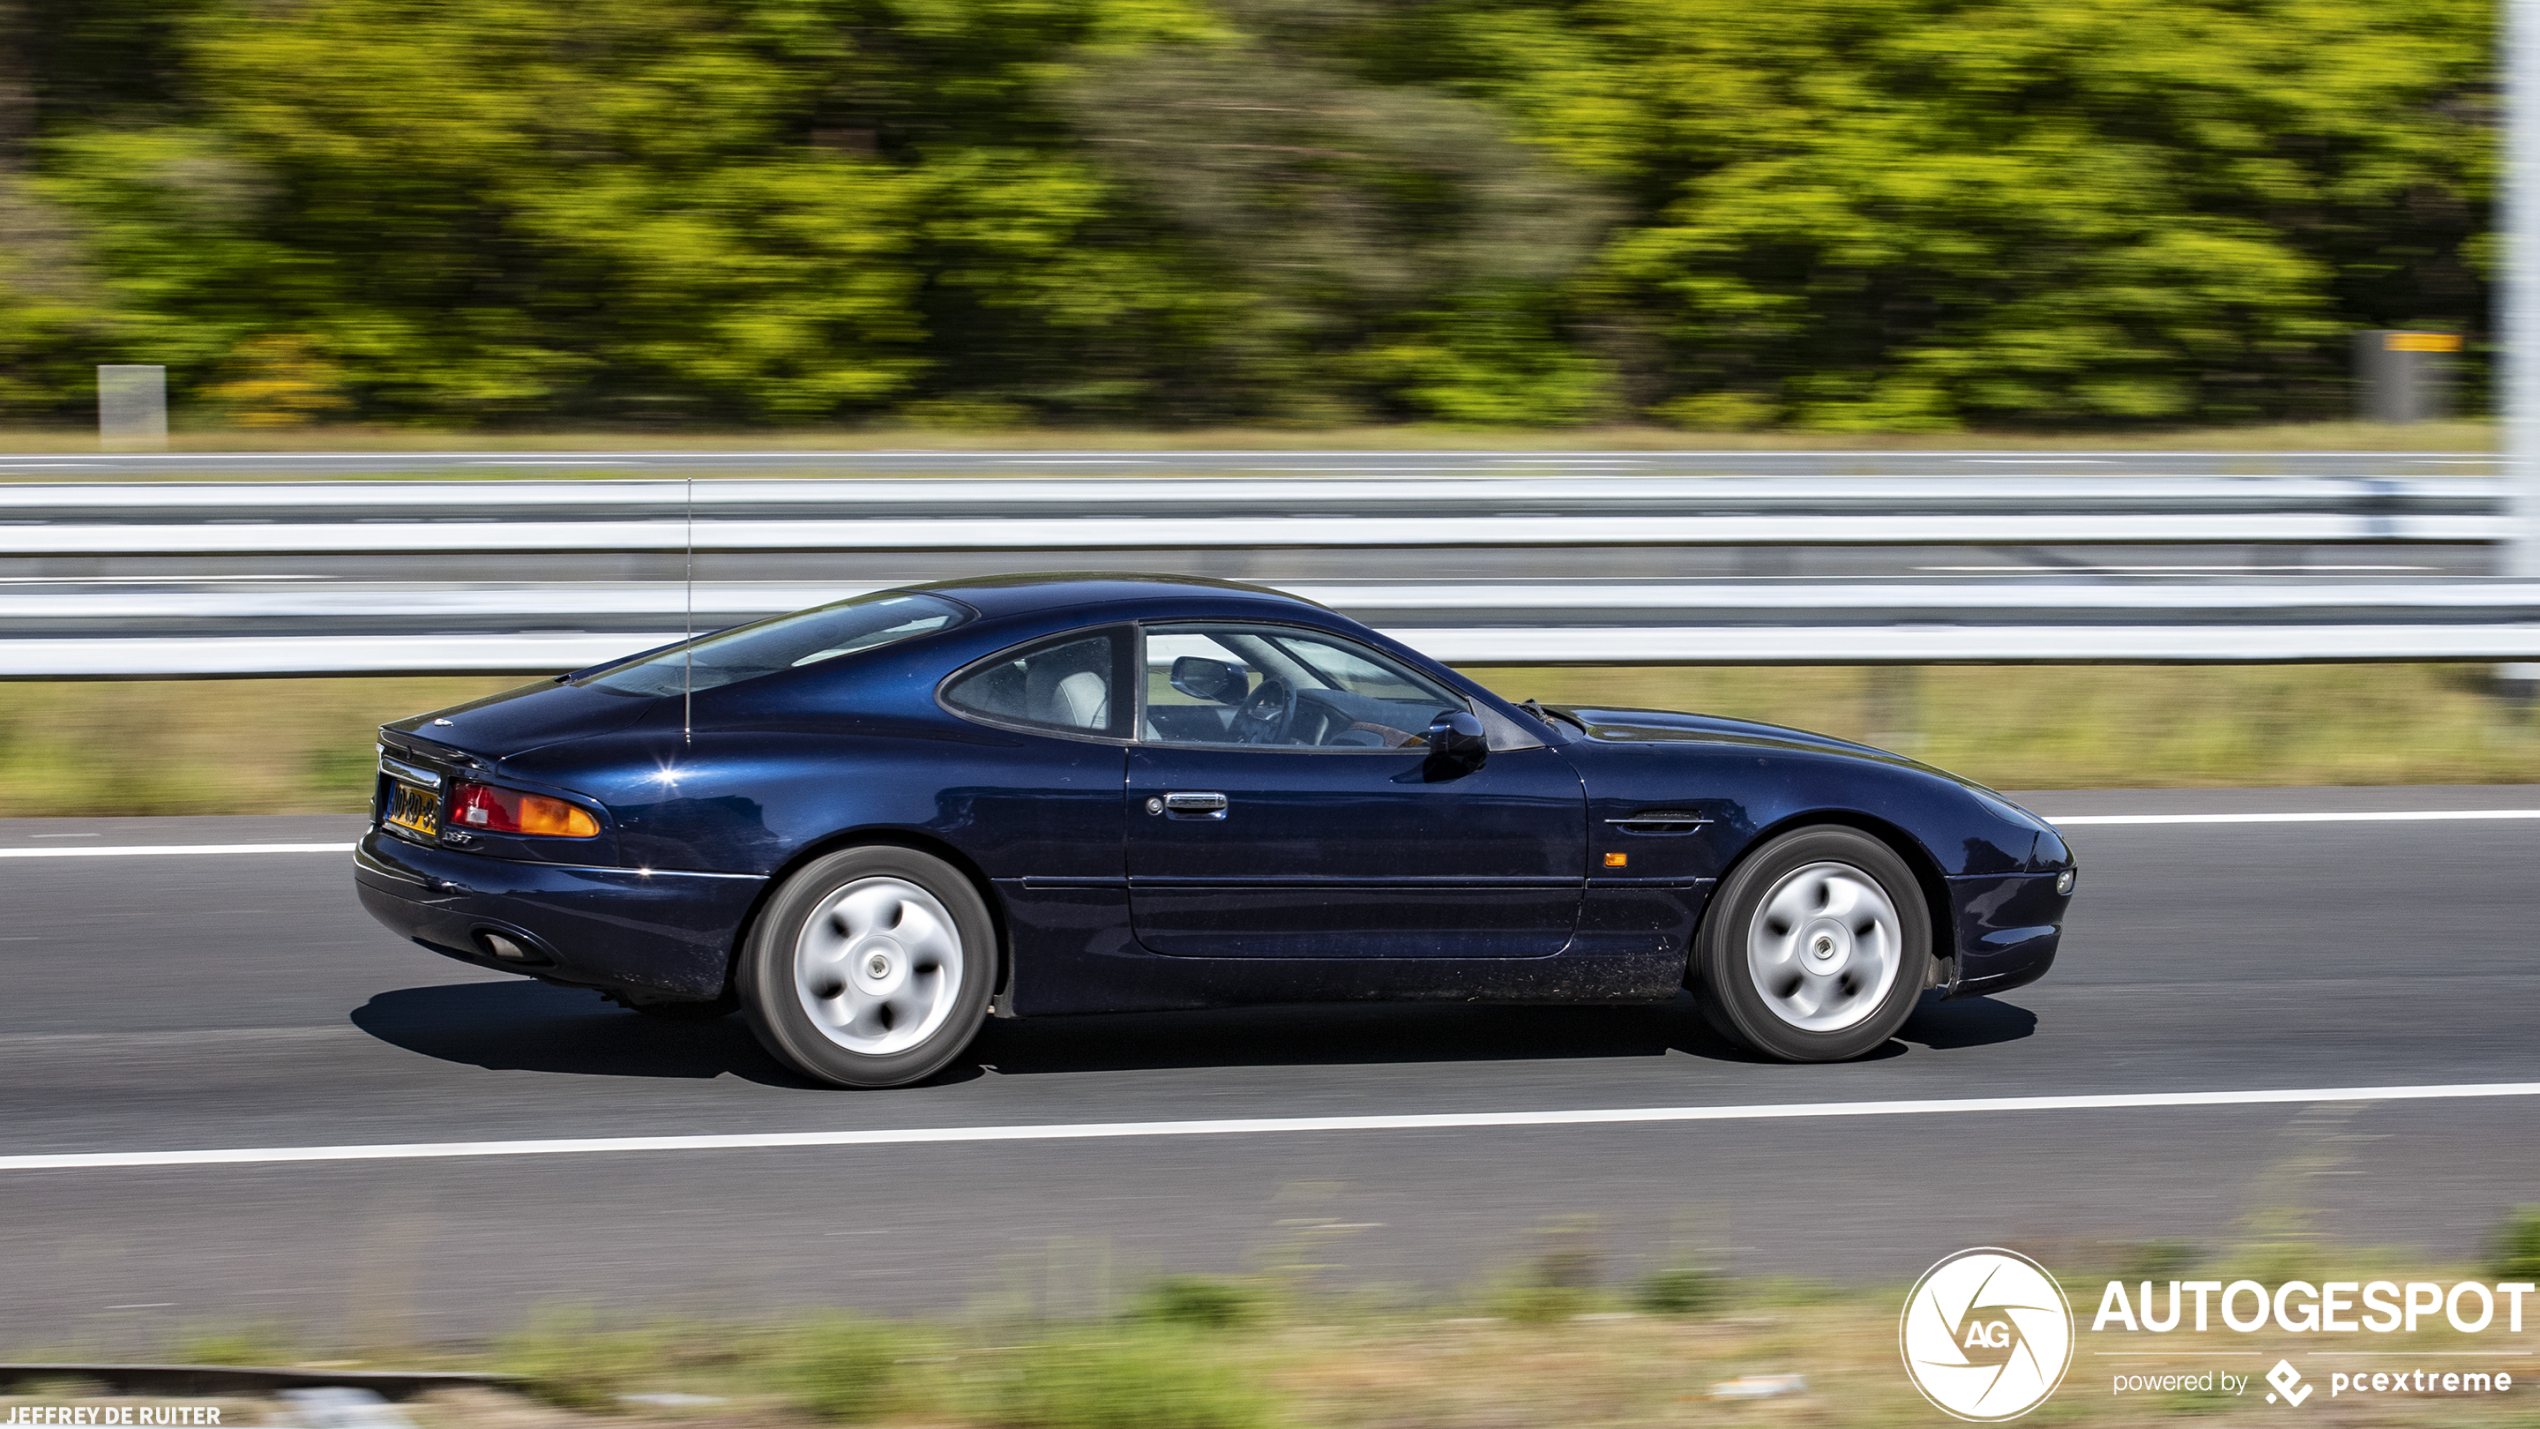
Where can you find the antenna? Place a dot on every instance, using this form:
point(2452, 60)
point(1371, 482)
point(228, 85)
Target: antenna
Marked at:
point(688, 629)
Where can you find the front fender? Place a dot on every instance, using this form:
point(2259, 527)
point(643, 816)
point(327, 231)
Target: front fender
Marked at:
point(1742, 794)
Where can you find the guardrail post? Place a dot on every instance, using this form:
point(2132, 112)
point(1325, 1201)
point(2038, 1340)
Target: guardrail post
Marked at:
point(2403, 377)
point(1893, 700)
point(132, 408)
point(2520, 387)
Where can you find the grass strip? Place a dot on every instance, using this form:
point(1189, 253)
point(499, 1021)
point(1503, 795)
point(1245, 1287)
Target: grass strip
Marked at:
point(73, 748)
point(1554, 1339)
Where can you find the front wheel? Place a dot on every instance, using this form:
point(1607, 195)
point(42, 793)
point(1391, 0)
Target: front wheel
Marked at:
point(1816, 947)
point(870, 968)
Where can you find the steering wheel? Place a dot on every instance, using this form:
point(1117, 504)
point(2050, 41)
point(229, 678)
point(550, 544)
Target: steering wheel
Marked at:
point(1264, 715)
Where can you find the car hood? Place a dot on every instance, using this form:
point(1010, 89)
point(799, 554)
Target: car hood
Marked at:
point(515, 722)
point(1629, 726)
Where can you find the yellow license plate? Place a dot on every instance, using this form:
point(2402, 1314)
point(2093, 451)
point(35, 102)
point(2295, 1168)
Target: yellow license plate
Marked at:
point(414, 808)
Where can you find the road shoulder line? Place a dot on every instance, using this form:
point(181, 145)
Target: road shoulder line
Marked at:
point(1258, 1126)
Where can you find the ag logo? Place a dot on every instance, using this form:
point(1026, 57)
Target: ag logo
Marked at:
point(1987, 1335)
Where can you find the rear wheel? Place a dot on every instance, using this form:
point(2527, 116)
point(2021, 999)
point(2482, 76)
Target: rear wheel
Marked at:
point(870, 968)
point(1816, 948)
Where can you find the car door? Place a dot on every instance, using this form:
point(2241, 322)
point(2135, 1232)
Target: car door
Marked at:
point(1282, 804)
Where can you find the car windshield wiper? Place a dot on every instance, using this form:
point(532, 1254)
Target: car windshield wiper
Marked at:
point(1546, 712)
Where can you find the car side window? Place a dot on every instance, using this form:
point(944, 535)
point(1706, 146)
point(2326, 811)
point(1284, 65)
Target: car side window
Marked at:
point(1065, 686)
point(1282, 687)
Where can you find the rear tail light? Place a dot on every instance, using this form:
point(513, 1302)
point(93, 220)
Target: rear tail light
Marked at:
point(508, 811)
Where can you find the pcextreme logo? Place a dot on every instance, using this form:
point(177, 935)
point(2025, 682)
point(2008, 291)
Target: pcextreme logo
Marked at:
point(1986, 1335)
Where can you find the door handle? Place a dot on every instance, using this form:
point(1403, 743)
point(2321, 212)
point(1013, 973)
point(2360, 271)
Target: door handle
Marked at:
point(1192, 805)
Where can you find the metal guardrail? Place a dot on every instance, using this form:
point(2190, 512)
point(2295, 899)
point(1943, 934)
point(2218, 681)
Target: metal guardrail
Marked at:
point(405, 608)
point(184, 657)
point(1409, 510)
point(255, 625)
point(321, 628)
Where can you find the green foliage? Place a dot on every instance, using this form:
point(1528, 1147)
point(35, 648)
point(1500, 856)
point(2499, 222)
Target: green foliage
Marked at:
point(2157, 1260)
point(1682, 1290)
point(840, 1367)
point(1203, 1301)
point(1911, 214)
point(2518, 1245)
point(1559, 1280)
point(1839, 215)
point(1136, 1377)
point(569, 1359)
point(240, 1345)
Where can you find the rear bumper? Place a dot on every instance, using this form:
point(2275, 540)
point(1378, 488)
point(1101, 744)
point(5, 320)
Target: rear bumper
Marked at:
point(658, 931)
point(2008, 927)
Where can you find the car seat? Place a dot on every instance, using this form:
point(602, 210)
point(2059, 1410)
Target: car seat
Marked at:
point(1071, 685)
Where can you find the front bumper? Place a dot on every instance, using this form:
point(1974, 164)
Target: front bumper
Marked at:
point(2008, 928)
point(653, 930)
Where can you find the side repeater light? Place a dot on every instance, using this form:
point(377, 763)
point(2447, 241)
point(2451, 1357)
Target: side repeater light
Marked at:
point(508, 811)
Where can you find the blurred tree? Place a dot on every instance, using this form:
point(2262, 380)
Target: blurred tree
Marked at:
point(1390, 243)
point(1891, 214)
point(17, 83)
point(281, 381)
point(1830, 213)
point(515, 207)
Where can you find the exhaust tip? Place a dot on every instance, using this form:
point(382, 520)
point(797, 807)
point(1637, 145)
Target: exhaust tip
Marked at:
point(511, 947)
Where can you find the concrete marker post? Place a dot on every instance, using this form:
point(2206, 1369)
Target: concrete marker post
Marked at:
point(132, 408)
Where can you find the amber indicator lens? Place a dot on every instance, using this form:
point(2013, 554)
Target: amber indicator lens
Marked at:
point(1617, 860)
point(508, 811)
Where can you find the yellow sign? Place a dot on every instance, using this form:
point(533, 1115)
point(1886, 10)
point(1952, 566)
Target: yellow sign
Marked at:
point(2421, 341)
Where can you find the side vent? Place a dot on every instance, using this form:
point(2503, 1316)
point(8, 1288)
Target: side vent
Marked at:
point(1661, 822)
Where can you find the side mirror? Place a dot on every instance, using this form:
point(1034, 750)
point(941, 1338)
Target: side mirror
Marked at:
point(1457, 742)
point(1217, 681)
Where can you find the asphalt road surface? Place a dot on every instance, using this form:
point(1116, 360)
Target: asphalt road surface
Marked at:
point(163, 1003)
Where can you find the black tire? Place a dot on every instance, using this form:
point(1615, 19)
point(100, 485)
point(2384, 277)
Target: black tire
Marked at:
point(788, 969)
point(1835, 870)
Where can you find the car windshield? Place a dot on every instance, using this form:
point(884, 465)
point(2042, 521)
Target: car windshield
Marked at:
point(805, 637)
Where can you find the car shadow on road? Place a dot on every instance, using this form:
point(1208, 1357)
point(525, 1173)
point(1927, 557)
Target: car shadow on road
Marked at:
point(532, 1027)
point(1394, 1033)
point(1371, 1034)
point(1972, 1022)
point(521, 1026)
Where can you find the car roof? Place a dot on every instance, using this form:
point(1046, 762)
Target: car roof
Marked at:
point(1128, 596)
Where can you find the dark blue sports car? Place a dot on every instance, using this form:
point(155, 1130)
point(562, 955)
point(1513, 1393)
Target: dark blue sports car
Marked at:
point(869, 825)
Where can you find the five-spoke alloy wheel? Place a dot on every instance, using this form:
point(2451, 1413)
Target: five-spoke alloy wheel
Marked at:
point(1816, 947)
point(870, 968)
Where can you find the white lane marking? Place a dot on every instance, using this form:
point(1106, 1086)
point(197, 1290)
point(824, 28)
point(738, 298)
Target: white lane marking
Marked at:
point(2373, 816)
point(1258, 1126)
point(149, 850)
